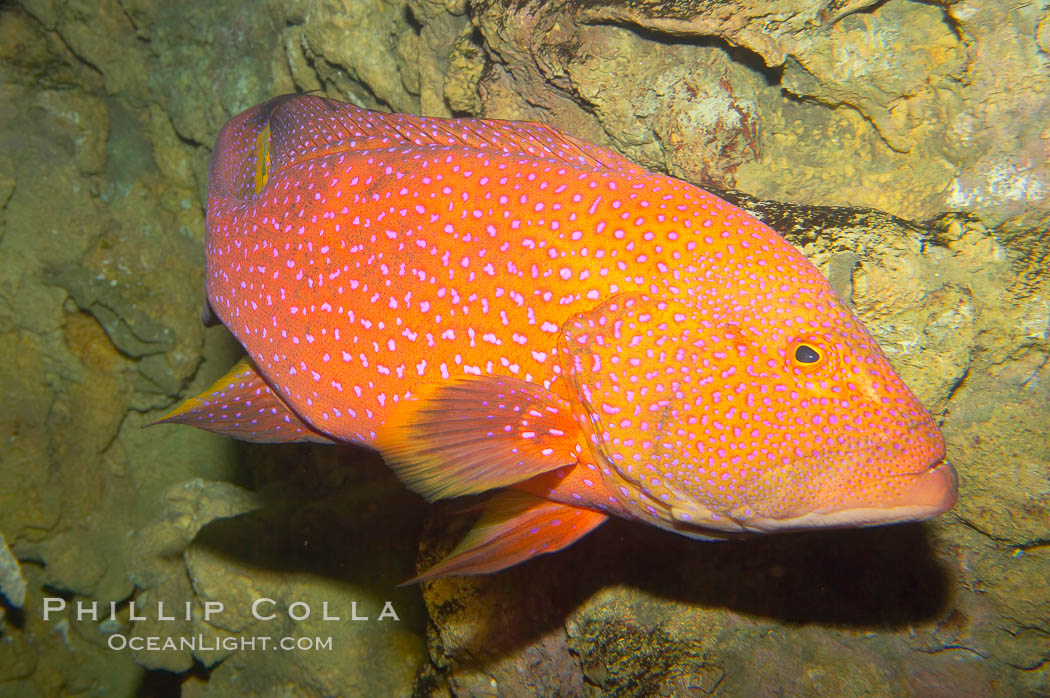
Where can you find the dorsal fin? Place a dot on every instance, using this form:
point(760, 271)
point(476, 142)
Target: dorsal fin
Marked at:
point(304, 127)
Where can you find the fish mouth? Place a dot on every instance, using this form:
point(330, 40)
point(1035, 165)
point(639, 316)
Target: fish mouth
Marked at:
point(927, 494)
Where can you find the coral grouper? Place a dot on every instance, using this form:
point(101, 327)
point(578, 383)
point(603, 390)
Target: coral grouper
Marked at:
point(495, 305)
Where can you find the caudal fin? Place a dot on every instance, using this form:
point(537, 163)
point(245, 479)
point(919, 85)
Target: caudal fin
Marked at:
point(242, 405)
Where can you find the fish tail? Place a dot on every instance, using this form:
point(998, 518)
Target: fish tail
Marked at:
point(242, 405)
point(240, 161)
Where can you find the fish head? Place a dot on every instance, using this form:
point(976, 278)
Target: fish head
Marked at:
point(739, 409)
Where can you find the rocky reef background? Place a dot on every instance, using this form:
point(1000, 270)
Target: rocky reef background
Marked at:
point(903, 145)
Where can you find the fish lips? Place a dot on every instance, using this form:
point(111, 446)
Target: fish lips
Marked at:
point(930, 493)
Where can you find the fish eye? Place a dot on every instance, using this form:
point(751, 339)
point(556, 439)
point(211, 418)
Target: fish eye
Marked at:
point(805, 354)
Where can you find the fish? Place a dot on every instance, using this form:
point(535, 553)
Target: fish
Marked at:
point(500, 308)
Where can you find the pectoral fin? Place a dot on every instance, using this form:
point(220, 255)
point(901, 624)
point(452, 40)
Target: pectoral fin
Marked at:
point(514, 527)
point(242, 405)
point(477, 434)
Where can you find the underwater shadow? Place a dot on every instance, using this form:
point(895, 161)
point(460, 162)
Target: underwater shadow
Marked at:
point(870, 578)
point(332, 511)
point(340, 512)
point(876, 579)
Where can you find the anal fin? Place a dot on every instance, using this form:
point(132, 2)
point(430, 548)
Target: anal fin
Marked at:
point(514, 527)
point(242, 405)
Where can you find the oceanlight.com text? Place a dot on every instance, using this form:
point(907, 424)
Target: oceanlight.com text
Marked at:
point(200, 643)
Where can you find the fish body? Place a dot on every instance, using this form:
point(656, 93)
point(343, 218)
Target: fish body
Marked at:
point(498, 306)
